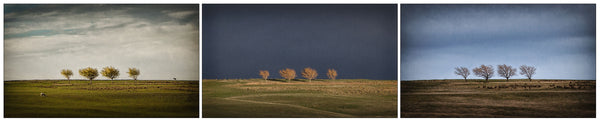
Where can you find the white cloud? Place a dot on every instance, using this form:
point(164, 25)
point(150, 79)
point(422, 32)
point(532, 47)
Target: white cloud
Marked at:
point(54, 20)
point(161, 50)
point(180, 14)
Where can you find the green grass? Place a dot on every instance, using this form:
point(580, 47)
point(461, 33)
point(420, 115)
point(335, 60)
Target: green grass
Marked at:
point(456, 98)
point(125, 99)
point(256, 98)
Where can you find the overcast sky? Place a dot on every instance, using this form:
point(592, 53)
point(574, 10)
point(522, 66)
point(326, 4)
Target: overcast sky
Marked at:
point(160, 40)
point(359, 41)
point(557, 39)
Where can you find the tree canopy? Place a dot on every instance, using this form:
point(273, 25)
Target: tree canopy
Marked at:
point(110, 72)
point(133, 73)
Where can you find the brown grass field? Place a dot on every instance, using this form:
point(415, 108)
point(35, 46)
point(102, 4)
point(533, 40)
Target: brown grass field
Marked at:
point(499, 99)
point(275, 98)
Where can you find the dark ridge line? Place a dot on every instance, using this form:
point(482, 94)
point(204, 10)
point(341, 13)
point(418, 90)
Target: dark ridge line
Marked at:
point(93, 80)
point(500, 79)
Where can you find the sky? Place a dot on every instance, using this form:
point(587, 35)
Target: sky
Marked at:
point(559, 40)
point(162, 41)
point(359, 41)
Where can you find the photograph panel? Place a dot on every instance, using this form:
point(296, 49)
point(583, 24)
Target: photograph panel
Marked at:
point(101, 61)
point(498, 61)
point(299, 60)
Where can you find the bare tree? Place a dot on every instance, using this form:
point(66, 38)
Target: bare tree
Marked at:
point(528, 71)
point(506, 71)
point(331, 73)
point(484, 71)
point(288, 74)
point(264, 74)
point(89, 73)
point(309, 73)
point(67, 73)
point(462, 71)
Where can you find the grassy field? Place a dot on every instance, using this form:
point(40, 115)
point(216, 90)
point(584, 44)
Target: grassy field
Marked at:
point(499, 98)
point(254, 98)
point(129, 99)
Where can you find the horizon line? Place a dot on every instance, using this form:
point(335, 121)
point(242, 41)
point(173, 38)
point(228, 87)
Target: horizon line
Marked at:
point(499, 79)
point(294, 78)
point(101, 80)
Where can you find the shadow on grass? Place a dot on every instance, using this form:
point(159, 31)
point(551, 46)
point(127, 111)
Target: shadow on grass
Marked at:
point(299, 80)
point(277, 80)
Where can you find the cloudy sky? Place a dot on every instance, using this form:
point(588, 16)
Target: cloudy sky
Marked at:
point(160, 40)
point(359, 41)
point(557, 39)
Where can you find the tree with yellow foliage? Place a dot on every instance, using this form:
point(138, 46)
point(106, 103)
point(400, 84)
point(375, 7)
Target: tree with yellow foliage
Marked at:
point(89, 73)
point(264, 74)
point(67, 73)
point(133, 73)
point(110, 72)
point(309, 73)
point(288, 74)
point(331, 73)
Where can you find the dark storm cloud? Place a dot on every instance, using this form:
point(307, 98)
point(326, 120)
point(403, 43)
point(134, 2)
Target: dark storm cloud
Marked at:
point(433, 24)
point(360, 41)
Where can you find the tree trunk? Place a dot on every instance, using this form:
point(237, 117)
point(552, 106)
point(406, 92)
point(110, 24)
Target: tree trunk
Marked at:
point(484, 84)
point(465, 79)
point(506, 79)
point(529, 79)
point(90, 81)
